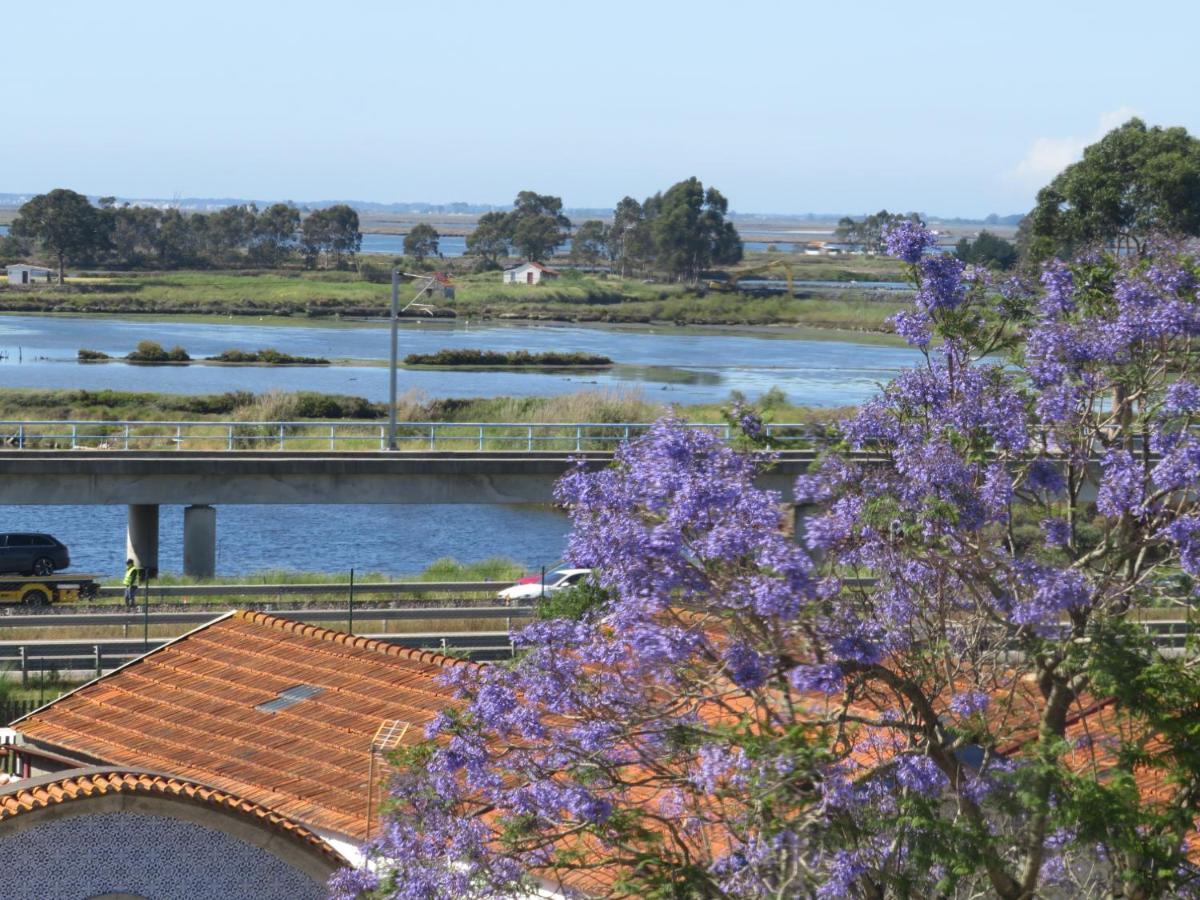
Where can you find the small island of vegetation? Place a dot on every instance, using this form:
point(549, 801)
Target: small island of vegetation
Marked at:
point(151, 352)
point(267, 356)
point(513, 359)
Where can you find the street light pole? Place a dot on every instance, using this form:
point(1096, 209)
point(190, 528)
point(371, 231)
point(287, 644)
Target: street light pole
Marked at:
point(392, 367)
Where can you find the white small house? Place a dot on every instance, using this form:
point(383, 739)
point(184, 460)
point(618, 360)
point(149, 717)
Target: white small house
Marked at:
point(22, 273)
point(529, 273)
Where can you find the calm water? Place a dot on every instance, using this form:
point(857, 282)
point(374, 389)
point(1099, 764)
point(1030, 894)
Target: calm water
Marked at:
point(673, 365)
point(667, 364)
point(398, 540)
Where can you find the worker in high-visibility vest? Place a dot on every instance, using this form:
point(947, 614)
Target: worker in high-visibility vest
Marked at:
point(132, 576)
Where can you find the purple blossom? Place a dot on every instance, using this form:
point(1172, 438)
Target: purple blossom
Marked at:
point(909, 240)
point(747, 668)
point(1057, 532)
point(1182, 398)
point(821, 679)
point(970, 702)
point(921, 775)
point(1058, 297)
point(1121, 490)
point(1045, 475)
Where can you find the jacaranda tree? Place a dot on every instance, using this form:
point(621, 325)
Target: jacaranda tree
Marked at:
point(943, 689)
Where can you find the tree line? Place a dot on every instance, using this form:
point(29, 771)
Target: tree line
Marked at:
point(679, 232)
point(67, 226)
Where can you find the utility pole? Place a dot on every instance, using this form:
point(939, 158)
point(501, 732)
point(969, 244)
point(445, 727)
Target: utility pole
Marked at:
point(391, 444)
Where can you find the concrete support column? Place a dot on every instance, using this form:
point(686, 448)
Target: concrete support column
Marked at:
point(199, 541)
point(141, 537)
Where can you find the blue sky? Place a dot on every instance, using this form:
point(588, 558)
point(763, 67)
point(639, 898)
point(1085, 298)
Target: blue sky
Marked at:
point(955, 109)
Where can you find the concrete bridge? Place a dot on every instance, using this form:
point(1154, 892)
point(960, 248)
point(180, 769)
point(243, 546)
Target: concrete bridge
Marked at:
point(201, 480)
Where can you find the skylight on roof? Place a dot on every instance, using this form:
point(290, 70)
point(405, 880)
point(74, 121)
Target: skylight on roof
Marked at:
point(289, 696)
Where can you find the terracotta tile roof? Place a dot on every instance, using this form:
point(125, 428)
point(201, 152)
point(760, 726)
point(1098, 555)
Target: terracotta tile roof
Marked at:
point(189, 708)
point(90, 783)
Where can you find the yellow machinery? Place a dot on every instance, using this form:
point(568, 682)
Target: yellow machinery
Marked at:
point(44, 591)
point(741, 272)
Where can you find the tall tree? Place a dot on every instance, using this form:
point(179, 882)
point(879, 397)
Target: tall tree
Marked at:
point(536, 225)
point(869, 232)
point(62, 221)
point(945, 689)
point(630, 243)
point(589, 244)
point(421, 241)
point(690, 231)
point(345, 240)
point(490, 239)
point(987, 250)
point(1133, 182)
point(275, 233)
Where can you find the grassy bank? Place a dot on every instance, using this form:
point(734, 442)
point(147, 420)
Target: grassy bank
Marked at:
point(583, 406)
point(292, 294)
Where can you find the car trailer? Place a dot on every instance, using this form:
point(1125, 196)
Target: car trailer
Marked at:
point(51, 589)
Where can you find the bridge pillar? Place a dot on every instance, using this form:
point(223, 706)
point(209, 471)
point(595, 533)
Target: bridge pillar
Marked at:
point(199, 541)
point(141, 537)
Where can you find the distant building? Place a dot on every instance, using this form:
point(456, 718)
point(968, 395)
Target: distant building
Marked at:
point(22, 273)
point(529, 273)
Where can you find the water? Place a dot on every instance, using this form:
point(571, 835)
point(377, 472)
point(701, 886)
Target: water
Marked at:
point(668, 364)
point(397, 540)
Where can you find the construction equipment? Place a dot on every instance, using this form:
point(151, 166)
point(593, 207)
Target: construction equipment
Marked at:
point(743, 272)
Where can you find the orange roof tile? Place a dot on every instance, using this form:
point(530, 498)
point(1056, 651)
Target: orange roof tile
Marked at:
point(88, 783)
point(189, 708)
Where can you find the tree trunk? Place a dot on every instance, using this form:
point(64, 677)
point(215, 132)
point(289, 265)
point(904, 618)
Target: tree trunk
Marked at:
point(61, 266)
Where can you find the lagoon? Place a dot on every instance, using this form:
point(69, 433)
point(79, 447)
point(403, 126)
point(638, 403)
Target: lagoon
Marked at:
point(667, 363)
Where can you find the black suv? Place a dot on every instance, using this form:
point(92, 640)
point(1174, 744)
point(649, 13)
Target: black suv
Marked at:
point(32, 554)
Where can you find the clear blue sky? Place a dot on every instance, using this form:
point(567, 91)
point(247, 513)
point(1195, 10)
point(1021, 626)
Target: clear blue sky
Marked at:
point(950, 108)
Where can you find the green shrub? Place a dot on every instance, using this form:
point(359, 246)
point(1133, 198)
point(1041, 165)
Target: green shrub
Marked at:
point(516, 358)
point(90, 355)
point(148, 351)
point(178, 354)
point(268, 356)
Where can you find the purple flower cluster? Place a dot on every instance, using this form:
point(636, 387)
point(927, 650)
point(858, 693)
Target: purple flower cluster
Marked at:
point(909, 241)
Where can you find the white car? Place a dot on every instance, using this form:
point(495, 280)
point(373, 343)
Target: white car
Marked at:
point(555, 581)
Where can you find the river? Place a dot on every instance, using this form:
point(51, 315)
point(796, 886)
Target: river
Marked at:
point(668, 364)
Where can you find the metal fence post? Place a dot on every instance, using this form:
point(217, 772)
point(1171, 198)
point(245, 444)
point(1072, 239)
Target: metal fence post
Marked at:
point(126, 435)
point(20, 437)
point(530, 438)
point(350, 623)
point(96, 650)
point(578, 437)
point(229, 445)
point(332, 441)
point(280, 435)
point(480, 437)
point(24, 667)
point(74, 436)
point(432, 437)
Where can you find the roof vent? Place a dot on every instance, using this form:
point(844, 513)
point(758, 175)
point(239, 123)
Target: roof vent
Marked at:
point(288, 697)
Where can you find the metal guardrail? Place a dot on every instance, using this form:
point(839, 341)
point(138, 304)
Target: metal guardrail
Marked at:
point(95, 657)
point(333, 587)
point(196, 617)
point(318, 436)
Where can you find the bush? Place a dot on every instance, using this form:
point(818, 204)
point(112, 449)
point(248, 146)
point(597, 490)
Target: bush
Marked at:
point(148, 351)
point(91, 355)
point(517, 358)
point(268, 356)
point(178, 354)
